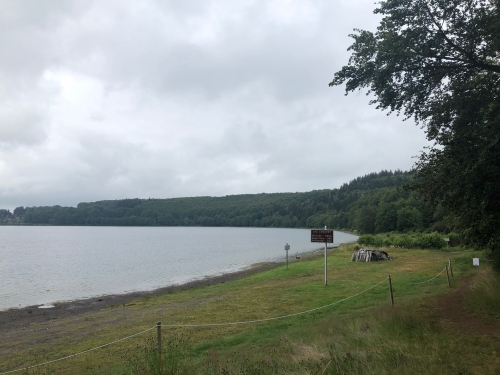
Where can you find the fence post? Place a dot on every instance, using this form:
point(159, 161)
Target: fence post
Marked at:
point(390, 289)
point(448, 276)
point(451, 267)
point(158, 337)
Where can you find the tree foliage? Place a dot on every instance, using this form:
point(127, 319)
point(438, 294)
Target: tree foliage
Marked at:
point(439, 63)
point(374, 203)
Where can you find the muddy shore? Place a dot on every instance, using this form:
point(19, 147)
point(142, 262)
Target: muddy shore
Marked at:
point(18, 318)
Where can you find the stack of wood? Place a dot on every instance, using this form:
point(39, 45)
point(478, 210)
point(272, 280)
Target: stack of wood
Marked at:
point(370, 255)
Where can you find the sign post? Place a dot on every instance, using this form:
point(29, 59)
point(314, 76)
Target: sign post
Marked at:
point(447, 242)
point(287, 247)
point(325, 236)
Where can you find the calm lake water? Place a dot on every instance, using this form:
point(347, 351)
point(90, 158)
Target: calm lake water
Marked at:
point(42, 265)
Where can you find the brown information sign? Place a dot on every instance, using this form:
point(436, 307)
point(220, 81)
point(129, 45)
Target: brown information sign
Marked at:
point(324, 236)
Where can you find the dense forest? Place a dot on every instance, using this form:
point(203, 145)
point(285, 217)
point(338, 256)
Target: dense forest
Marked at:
point(374, 203)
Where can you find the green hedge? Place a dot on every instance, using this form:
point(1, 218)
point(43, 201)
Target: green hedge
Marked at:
point(415, 240)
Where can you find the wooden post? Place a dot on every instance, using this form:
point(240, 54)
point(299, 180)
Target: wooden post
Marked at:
point(158, 337)
point(448, 276)
point(451, 267)
point(390, 290)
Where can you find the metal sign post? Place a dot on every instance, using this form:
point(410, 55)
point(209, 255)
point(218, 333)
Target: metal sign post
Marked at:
point(325, 236)
point(326, 263)
point(326, 266)
point(447, 242)
point(287, 247)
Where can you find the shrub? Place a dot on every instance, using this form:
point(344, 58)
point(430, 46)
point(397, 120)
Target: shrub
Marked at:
point(429, 241)
point(366, 239)
point(403, 240)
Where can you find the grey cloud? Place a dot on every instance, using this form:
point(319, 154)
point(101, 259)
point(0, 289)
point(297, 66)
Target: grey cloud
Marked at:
point(20, 124)
point(240, 139)
point(29, 39)
point(116, 99)
point(28, 35)
point(146, 48)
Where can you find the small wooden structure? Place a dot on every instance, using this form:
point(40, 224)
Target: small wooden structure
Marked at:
point(370, 255)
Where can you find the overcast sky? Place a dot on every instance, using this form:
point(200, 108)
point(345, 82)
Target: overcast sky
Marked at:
point(124, 98)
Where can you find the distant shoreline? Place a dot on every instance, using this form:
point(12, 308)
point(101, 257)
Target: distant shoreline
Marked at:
point(164, 226)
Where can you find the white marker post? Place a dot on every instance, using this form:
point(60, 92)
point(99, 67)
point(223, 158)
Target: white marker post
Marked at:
point(287, 247)
point(447, 242)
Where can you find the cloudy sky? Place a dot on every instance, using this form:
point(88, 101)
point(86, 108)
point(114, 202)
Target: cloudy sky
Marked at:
point(166, 98)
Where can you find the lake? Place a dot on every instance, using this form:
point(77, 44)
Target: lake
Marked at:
point(41, 265)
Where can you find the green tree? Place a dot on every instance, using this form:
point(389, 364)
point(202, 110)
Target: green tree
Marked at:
point(387, 218)
point(365, 219)
point(409, 218)
point(439, 63)
point(19, 211)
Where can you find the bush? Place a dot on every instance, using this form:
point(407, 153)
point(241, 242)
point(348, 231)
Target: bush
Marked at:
point(407, 241)
point(366, 239)
point(403, 240)
point(430, 241)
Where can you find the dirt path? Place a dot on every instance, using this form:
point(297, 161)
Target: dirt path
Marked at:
point(450, 310)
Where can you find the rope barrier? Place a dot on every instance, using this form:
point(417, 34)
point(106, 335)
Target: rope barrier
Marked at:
point(216, 324)
point(423, 282)
point(79, 353)
point(269, 319)
point(196, 325)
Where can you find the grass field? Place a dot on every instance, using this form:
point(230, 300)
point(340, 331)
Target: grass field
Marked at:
point(431, 329)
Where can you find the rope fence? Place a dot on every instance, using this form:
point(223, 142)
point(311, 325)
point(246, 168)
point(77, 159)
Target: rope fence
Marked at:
point(253, 321)
point(77, 354)
point(269, 319)
point(194, 326)
point(432, 278)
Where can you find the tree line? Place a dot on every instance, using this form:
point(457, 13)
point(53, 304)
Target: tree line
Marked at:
point(438, 62)
point(374, 203)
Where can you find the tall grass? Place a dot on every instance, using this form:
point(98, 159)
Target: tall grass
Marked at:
point(146, 360)
point(483, 295)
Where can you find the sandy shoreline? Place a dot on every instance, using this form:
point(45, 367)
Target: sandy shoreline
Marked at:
point(17, 318)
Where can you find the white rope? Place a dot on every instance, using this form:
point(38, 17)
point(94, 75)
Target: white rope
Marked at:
point(269, 319)
point(195, 325)
point(423, 282)
point(76, 354)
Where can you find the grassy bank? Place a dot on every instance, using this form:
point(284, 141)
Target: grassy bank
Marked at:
point(361, 335)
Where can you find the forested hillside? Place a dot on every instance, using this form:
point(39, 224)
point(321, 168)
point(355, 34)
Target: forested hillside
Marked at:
point(373, 203)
